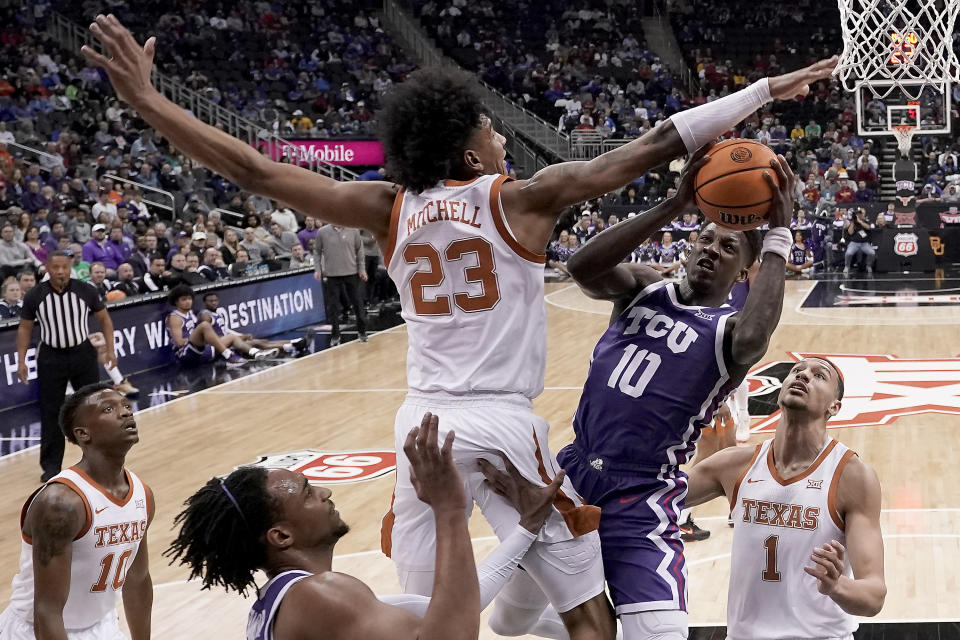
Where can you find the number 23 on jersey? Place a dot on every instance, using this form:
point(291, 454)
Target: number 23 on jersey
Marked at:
point(455, 255)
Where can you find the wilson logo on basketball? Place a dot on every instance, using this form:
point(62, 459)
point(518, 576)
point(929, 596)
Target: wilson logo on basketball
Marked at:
point(878, 389)
point(738, 219)
point(333, 467)
point(741, 154)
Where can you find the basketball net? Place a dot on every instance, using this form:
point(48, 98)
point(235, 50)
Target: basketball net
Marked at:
point(904, 135)
point(903, 44)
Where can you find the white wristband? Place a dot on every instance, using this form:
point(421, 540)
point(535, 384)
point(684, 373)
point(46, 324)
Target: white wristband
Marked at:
point(777, 241)
point(705, 123)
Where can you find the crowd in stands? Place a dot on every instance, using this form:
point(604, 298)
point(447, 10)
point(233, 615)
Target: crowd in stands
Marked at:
point(308, 69)
point(585, 66)
point(66, 200)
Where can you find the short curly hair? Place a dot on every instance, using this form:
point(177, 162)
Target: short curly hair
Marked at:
point(425, 123)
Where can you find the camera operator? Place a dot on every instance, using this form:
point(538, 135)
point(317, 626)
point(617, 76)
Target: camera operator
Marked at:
point(858, 240)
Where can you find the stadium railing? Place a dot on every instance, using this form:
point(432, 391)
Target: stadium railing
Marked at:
point(150, 190)
point(36, 152)
point(537, 130)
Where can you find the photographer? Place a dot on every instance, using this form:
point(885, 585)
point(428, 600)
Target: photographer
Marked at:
point(858, 241)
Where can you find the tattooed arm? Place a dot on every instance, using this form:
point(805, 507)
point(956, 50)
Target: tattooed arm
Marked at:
point(55, 518)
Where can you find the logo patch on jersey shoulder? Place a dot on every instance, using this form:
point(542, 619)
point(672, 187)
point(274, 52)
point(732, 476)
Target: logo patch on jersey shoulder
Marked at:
point(879, 389)
point(333, 467)
point(814, 484)
point(705, 316)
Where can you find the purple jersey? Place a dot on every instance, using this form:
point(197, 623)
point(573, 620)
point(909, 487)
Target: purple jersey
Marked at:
point(656, 379)
point(738, 295)
point(216, 321)
point(669, 255)
point(644, 254)
point(798, 255)
point(260, 620)
point(189, 324)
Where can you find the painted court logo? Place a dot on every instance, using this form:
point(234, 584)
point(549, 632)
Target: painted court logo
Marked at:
point(333, 467)
point(878, 389)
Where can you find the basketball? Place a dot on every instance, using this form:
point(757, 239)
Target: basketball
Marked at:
point(731, 189)
point(113, 296)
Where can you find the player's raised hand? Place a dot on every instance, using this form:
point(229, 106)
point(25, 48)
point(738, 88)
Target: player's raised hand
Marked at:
point(432, 472)
point(828, 566)
point(126, 62)
point(532, 501)
point(796, 84)
point(686, 190)
point(784, 191)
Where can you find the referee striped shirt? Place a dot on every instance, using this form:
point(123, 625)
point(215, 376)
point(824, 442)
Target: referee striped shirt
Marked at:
point(63, 317)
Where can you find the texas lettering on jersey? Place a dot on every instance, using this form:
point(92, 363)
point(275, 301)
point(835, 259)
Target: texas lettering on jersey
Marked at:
point(776, 514)
point(122, 533)
point(878, 389)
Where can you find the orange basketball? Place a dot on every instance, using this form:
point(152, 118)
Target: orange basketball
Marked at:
point(114, 295)
point(731, 189)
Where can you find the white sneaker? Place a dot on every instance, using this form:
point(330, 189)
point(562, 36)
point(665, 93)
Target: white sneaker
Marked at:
point(263, 354)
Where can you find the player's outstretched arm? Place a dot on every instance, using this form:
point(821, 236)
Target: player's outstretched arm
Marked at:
point(347, 609)
point(564, 184)
point(138, 586)
point(54, 519)
point(717, 475)
point(365, 204)
point(761, 311)
point(599, 267)
point(858, 500)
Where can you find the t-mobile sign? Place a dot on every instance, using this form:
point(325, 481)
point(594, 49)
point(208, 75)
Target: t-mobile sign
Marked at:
point(339, 152)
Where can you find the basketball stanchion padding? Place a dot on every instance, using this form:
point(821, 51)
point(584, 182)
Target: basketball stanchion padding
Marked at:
point(731, 189)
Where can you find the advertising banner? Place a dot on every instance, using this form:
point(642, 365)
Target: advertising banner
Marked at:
point(339, 152)
point(262, 307)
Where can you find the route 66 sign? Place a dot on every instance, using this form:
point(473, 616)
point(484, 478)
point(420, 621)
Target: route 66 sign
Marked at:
point(905, 244)
point(333, 467)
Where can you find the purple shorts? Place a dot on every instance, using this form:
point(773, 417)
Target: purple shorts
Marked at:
point(639, 537)
point(190, 355)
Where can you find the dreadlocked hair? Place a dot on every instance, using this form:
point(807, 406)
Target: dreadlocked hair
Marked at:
point(425, 123)
point(222, 542)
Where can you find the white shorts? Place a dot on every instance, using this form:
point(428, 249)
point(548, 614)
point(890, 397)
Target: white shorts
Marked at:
point(13, 626)
point(565, 560)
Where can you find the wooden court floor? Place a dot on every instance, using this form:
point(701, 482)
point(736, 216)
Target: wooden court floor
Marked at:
point(345, 399)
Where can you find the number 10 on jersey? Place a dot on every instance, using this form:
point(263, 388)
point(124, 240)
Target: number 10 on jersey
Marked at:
point(625, 376)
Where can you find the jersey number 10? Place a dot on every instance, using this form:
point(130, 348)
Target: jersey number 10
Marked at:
point(484, 272)
point(624, 376)
point(119, 577)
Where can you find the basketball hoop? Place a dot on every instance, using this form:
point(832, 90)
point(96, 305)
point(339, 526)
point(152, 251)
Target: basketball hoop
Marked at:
point(904, 135)
point(898, 44)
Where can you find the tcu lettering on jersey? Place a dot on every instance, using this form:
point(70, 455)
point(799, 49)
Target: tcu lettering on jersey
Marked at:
point(679, 336)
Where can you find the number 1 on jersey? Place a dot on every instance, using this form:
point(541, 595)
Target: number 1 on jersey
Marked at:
point(770, 573)
point(483, 273)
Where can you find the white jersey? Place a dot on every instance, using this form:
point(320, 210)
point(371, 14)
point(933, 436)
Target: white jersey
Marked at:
point(472, 295)
point(777, 524)
point(102, 552)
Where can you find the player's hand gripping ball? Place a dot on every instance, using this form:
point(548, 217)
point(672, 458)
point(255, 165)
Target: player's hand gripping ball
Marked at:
point(730, 189)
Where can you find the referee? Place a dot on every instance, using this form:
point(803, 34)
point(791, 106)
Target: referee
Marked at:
point(62, 306)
